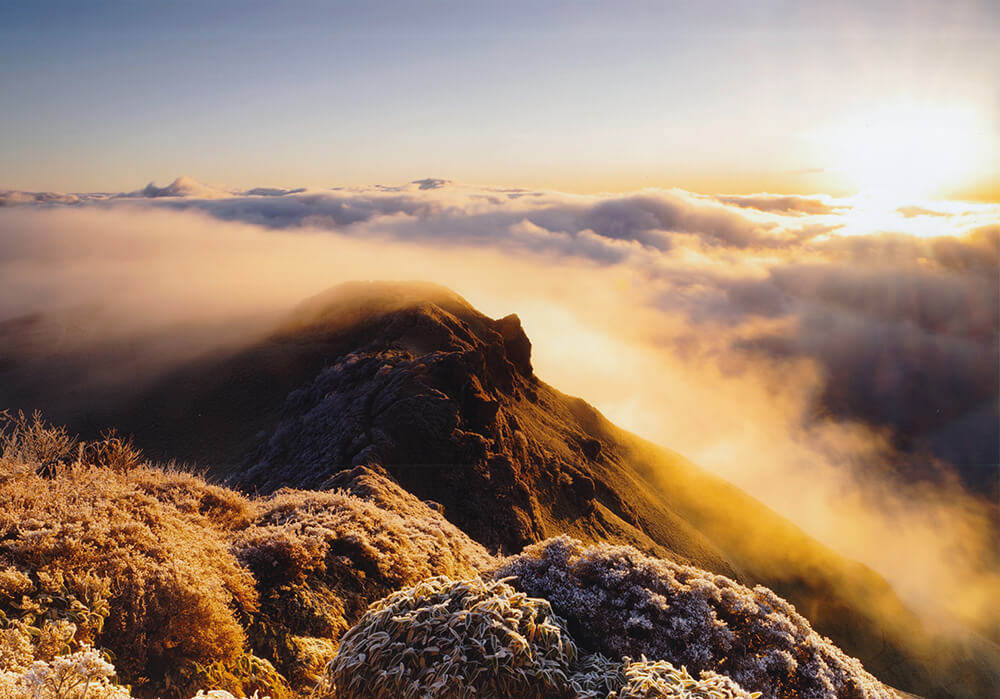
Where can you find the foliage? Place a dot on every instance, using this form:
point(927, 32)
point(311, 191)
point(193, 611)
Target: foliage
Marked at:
point(247, 675)
point(146, 585)
point(388, 532)
point(111, 451)
point(187, 585)
point(455, 639)
point(623, 603)
point(597, 677)
point(661, 680)
point(84, 674)
point(444, 638)
point(320, 558)
point(29, 444)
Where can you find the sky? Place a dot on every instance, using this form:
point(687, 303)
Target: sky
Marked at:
point(579, 96)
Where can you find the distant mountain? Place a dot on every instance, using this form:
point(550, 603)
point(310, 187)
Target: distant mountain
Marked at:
point(183, 186)
point(412, 378)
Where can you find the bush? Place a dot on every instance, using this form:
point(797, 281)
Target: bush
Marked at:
point(444, 638)
point(660, 679)
point(320, 558)
point(597, 677)
point(30, 444)
point(93, 546)
point(174, 588)
point(84, 674)
point(623, 603)
point(389, 534)
point(111, 451)
point(246, 676)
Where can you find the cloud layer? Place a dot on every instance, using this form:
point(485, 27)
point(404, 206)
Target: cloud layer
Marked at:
point(838, 362)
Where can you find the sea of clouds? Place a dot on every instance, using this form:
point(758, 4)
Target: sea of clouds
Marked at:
point(835, 359)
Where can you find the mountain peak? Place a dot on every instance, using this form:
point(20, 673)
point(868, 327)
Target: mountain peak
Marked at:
point(183, 186)
point(409, 378)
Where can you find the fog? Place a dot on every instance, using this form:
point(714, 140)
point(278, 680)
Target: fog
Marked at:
point(819, 372)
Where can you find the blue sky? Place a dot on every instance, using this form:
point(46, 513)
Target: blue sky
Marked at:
point(726, 96)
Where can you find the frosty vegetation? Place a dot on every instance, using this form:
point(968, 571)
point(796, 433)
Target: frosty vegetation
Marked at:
point(187, 585)
point(623, 603)
point(321, 557)
point(469, 638)
point(119, 579)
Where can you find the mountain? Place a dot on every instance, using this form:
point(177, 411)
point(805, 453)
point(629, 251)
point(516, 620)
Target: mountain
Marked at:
point(412, 378)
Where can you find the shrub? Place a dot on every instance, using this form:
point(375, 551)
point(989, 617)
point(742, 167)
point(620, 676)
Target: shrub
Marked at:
point(202, 503)
point(153, 584)
point(660, 679)
point(84, 674)
point(388, 533)
point(246, 676)
point(445, 638)
point(453, 639)
point(111, 451)
point(28, 444)
point(55, 616)
point(623, 603)
point(597, 677)
point(320, 558)
point(174, 587)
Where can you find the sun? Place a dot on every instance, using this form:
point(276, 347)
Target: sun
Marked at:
point(905, 153)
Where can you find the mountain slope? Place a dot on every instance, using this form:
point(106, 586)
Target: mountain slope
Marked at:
point(411, 377)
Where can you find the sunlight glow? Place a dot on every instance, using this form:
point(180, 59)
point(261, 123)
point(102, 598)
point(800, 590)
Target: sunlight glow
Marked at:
point(902, 153)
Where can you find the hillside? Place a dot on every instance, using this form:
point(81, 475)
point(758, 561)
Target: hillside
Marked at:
point(362, 591)
point(414, 380)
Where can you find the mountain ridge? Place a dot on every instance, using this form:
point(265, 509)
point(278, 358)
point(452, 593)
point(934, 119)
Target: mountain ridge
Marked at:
point(410, 377)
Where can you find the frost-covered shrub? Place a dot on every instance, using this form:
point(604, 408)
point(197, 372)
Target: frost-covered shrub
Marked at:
point(623, 603)
point(94, 546)
point(204, 504)
point(30, 444)
point(84, 674)
point(444, 638)
point(246, 676)
point(597, 677)
point(385, 530)
point(645, 679)
point(321, 558)
point(111, 451)
point(174, 586)
point(57, 612)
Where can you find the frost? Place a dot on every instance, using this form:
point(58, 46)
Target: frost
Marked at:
point(623, 603)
